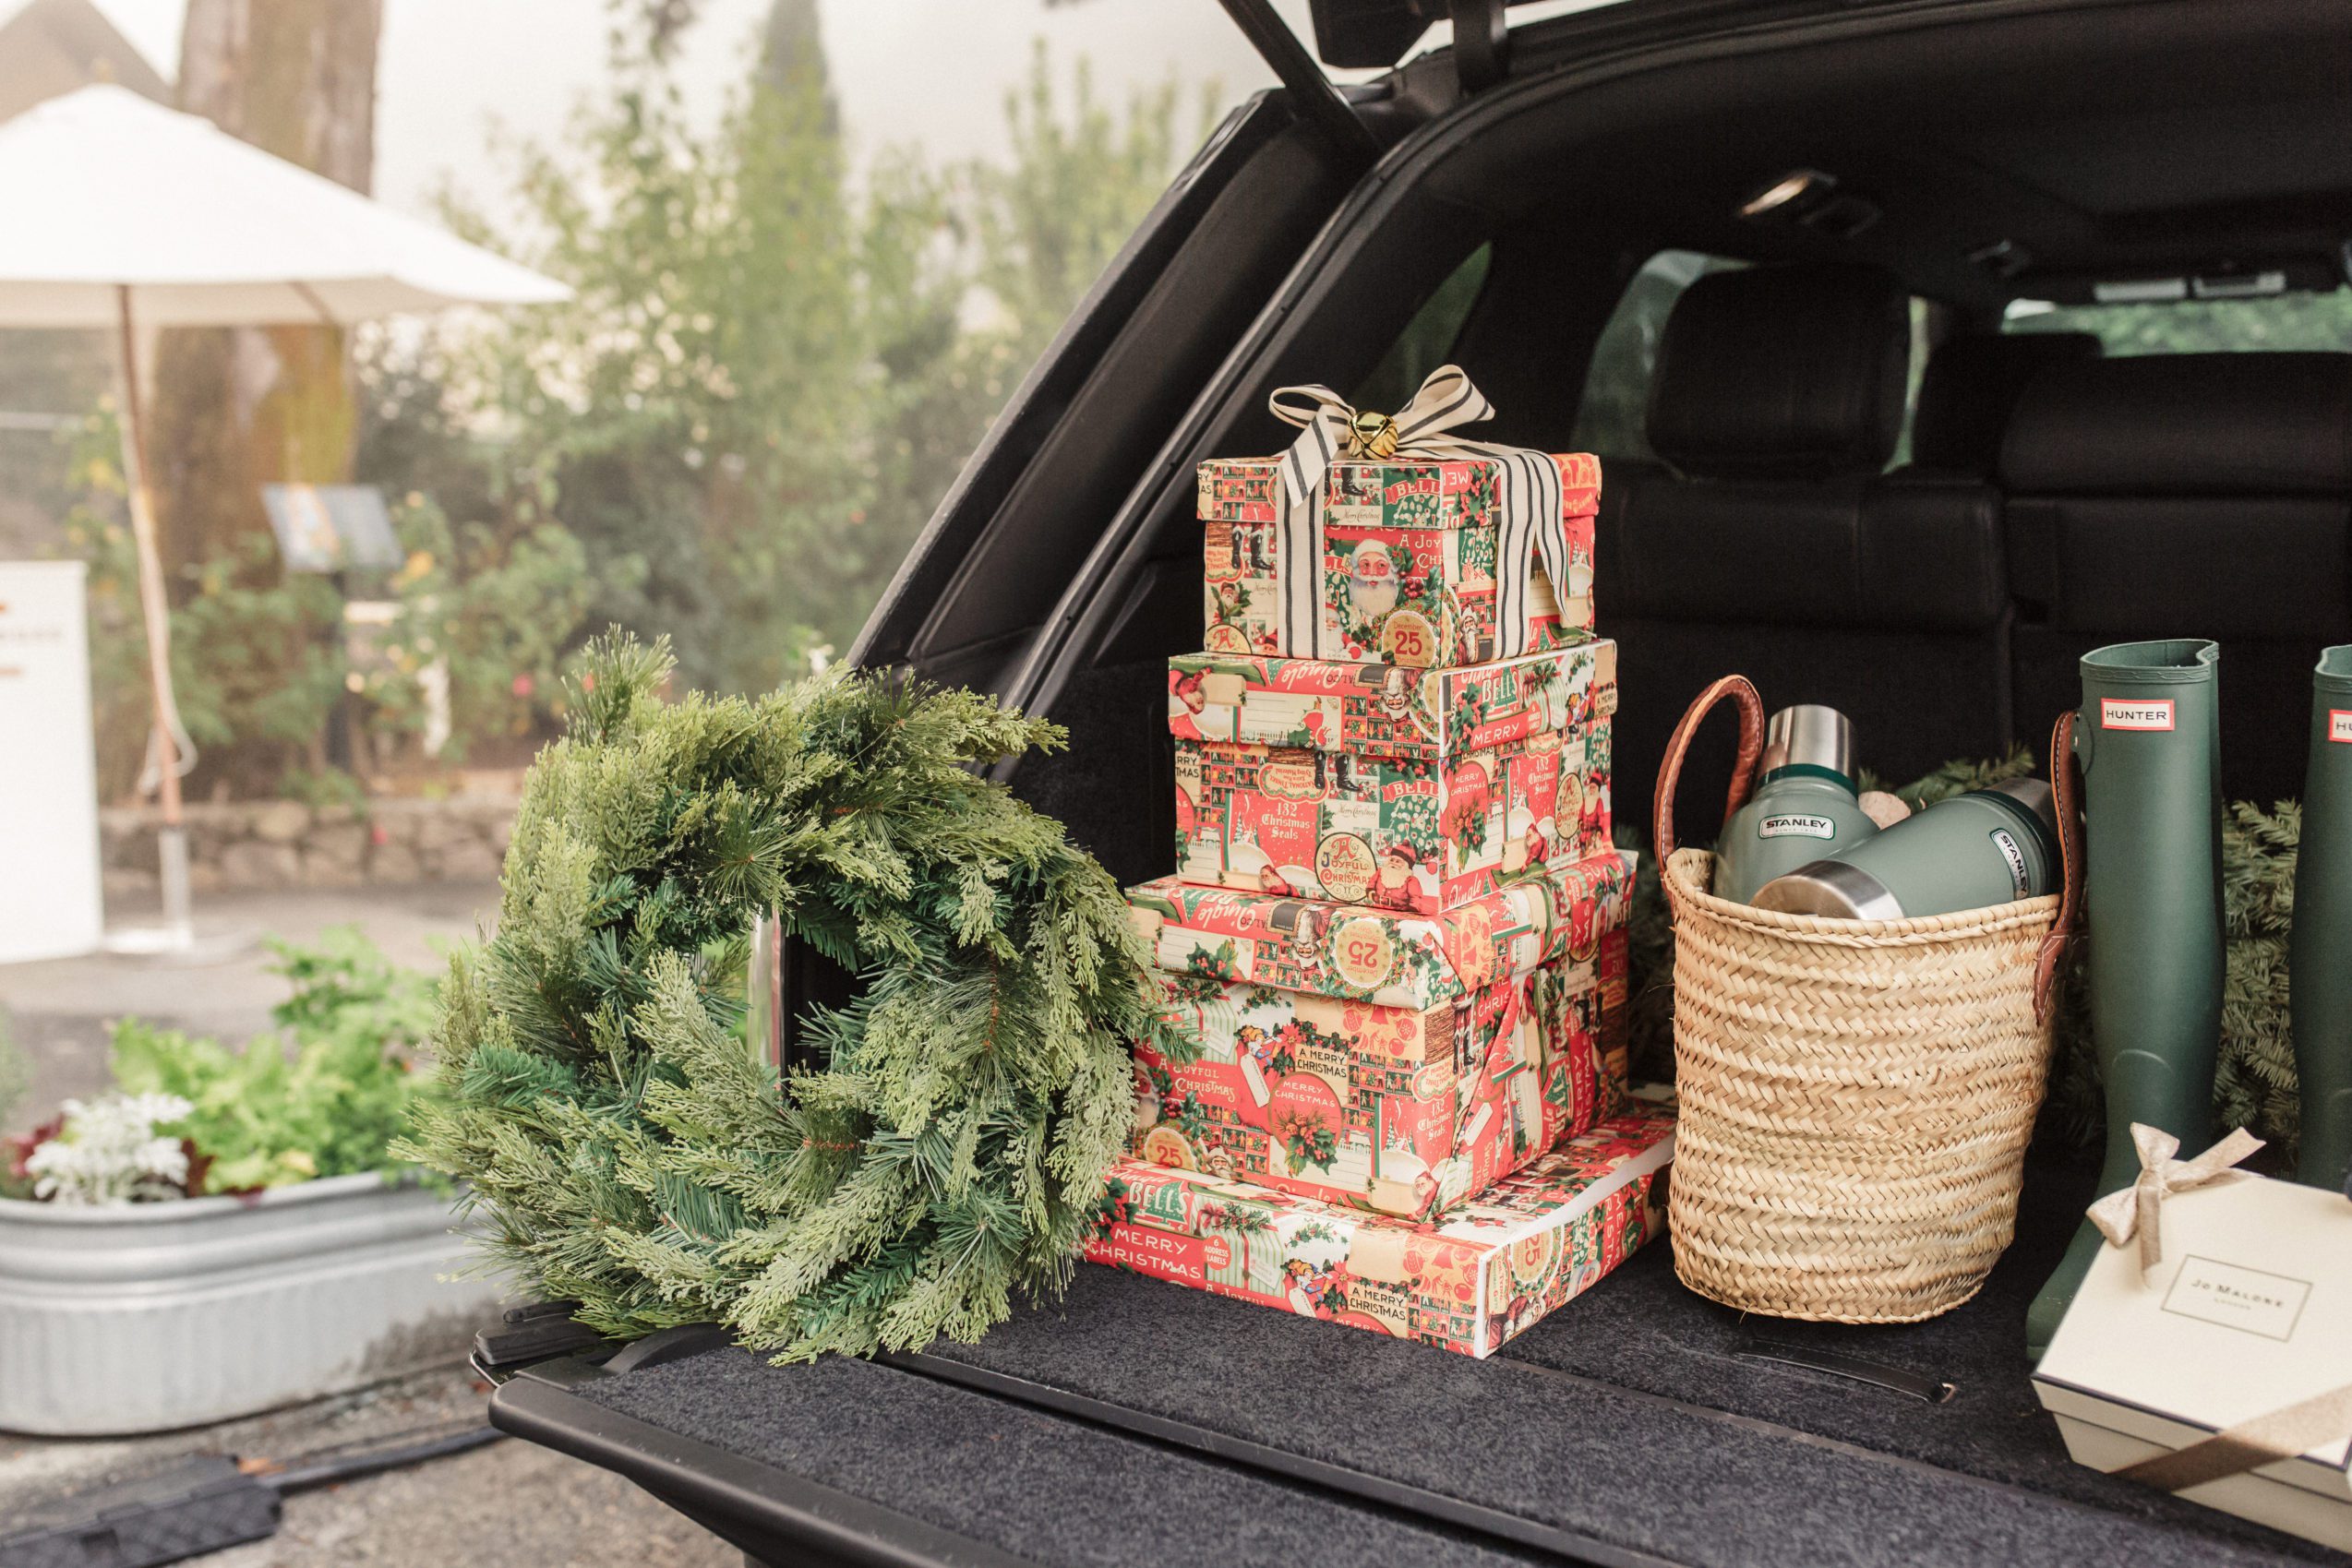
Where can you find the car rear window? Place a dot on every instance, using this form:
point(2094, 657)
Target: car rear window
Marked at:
point(2274, 324)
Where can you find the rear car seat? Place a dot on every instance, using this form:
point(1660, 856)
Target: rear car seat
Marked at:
point(2187, 495)
point(1770, 542)
point(1970, 389)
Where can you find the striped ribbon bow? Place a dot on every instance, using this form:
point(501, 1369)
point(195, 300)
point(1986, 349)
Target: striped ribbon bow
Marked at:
point(1528, 497)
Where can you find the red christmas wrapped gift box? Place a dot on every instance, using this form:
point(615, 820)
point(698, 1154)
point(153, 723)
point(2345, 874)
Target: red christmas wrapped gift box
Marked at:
point(1362, 954)
point(1373, 783)
point(1414, 561)
point(1468, 1280)
point(1389, 1108)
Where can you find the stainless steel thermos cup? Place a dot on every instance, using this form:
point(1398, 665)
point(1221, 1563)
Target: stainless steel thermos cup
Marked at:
point(1974, 851)
point(1803, 809)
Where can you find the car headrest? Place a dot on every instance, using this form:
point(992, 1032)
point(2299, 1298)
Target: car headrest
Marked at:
point(1781, 373)
point(2185, 424)
point(1970, 387)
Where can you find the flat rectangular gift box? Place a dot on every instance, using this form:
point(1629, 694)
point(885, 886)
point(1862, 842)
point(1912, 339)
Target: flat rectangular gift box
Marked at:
point(1477, 1274)
point(1409, 569)
point(2249, 1313)
point(1389, 1108)
point(1397, 959)
point(1374, 783)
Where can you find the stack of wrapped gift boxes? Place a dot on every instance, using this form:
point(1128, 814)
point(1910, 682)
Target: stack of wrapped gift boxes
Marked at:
point(1396, 922)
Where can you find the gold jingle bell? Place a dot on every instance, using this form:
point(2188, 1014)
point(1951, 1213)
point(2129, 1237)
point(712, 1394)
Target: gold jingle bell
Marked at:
point(1372, 436)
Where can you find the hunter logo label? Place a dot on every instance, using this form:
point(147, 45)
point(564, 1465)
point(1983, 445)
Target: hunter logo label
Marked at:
point(2339, 725)
point(2239, 1297)
point(2020, 879)
point(2141, 713)
point(1796, 827)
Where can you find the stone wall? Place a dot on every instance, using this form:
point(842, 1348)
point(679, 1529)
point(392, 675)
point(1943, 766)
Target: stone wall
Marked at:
point(282, 843)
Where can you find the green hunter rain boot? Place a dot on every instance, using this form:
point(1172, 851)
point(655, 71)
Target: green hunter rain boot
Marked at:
point(2149, 741)
point(2319, 949)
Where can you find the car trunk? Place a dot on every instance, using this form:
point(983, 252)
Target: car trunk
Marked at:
point(1941, 604)
point(1138, 1421)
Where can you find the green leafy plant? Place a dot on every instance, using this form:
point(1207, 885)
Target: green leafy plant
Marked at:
point(324, 1096)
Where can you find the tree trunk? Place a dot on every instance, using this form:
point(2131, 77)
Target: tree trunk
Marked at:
point(238, 408)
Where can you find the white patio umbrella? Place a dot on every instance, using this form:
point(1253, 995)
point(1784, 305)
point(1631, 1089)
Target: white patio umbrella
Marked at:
point(117, 214)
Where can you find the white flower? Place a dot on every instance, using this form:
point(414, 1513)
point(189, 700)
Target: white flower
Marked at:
point(109, 1154)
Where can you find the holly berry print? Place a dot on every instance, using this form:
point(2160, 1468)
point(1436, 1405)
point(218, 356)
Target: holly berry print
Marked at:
point(1467, 1278)
point(1409, 572)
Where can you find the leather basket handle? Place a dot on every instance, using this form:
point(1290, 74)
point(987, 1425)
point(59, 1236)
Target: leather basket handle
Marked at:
point(2066, 791)
point(1751, 746)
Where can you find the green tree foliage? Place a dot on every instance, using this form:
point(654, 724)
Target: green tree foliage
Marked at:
point(634, 1154)
point(773, 368)
point(499, 609)
point(256, 657)
point(2281, 322)
point(259, 657)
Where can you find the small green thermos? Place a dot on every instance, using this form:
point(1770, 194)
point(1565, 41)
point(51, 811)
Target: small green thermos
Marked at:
point(1803, 808)
point(1974, 851)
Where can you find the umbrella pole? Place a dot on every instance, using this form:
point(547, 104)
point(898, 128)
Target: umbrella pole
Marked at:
point(171, 838)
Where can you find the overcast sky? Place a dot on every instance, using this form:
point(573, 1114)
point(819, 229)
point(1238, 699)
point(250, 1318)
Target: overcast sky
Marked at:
point(933, 72)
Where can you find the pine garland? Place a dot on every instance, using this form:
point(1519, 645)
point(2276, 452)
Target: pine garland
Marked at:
point(2254, 1084)
point(631, 1151)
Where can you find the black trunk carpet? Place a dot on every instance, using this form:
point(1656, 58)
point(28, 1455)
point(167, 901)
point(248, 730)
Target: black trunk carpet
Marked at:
point(1045, 1489)
point(1635, 1421)
point(1604, 1418)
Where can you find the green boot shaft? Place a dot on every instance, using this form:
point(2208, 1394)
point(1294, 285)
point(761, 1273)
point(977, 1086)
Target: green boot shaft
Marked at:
point(2149, 741)
point(2320, 946)
point(2148, 738)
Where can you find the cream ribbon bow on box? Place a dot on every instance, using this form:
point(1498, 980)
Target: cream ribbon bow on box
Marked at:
point(2132, 1215)
point(2134, 1211)
point(1527, 501)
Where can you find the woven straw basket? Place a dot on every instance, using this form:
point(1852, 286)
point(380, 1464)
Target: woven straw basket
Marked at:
point(1855, 1095)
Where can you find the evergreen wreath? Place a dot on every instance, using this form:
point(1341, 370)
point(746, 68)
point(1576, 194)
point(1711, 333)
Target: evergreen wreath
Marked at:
point(632, 1149)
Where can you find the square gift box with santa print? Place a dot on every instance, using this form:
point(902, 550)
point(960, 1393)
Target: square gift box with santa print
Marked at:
point(1400, 1110)
point(1372, 783)
point(1409, 564)
point(1468, 1279)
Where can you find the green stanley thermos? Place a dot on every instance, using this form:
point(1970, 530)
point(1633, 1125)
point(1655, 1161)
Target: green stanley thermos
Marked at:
point(1805, 808)
point(1974, 851)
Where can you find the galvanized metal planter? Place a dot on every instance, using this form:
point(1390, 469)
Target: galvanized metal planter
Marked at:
point(161, 1315)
